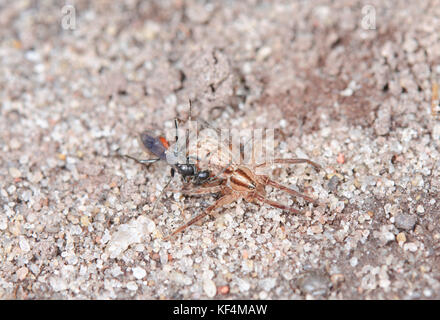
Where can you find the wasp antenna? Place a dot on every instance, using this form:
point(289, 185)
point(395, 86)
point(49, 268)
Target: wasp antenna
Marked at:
point(187, 130)
point(141, 161)
point(176, 137)
point(176, 126)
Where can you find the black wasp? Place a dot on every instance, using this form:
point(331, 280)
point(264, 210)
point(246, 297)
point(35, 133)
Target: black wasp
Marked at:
point(159, 147)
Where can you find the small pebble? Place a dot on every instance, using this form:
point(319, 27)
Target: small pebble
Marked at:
point(139, 273)
point(14, 144)
point(405, 221)
point(126, 235)
point(427, 292)
point(341, 158)
point(263, 53)
point(410, 45)
point(268, 284)
point(333, 183)
point(382, 123)
point(116, 271)
point(436, 132)
point(223, 290)
point(24, 245)
point(263, 295)
point(11, 189)
point(22, 273)
point(243, 285)
point(14, 172)
point(354, 261)
point(36, 177)
point(85, 221)
point(209, 288)
point(315, 284)
point(401, 238)
point(3, 222)
point(34, 269)
point(337, 278)
point(347, 92)
point(384, 236)
point(316, 229)
point(411, 246)
point(58, 284)
point(132, 286)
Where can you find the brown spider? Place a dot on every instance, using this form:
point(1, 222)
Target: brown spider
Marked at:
point(241, 181)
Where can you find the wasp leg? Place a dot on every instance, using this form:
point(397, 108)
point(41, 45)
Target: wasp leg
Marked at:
point(226, 199)
point(209, 187)
point(200, 190)
point(163, 190)
point(145, 162)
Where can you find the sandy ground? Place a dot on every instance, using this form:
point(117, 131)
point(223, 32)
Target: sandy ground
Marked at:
point(346, 85)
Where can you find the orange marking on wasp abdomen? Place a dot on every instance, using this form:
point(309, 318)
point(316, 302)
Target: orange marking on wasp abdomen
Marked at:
point(164, 142)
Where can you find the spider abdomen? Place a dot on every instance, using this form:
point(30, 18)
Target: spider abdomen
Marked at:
point(242, 179)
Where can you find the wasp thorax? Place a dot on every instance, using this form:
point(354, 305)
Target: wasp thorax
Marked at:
point(203, 175)
point(174, 156)
point(185, 169)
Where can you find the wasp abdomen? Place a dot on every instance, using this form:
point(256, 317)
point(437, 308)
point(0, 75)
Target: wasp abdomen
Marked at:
point(154, 145)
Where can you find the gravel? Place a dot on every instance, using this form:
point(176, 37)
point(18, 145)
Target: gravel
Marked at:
point(209, 288)
point(77, 220)
point(405, 221)
point(315, 284)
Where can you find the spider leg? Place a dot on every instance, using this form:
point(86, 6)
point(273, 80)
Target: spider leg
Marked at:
point(226, 199)
point(290, 161)
point(276, 204)
point(266, 180)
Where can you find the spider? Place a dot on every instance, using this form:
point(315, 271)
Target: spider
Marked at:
point(242, 182)
point(232, 179)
